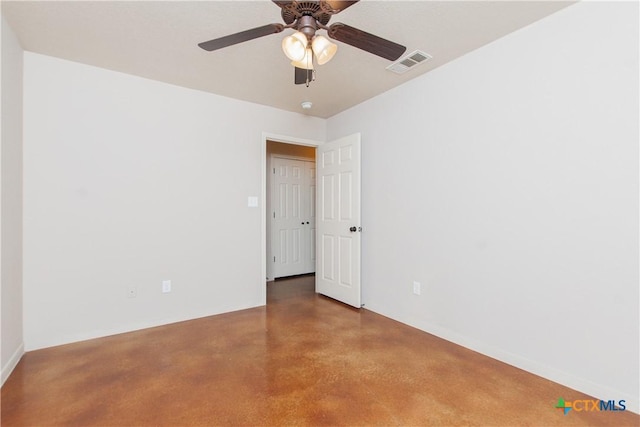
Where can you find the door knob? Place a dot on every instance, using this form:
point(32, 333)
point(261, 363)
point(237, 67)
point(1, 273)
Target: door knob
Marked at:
point(353, 229)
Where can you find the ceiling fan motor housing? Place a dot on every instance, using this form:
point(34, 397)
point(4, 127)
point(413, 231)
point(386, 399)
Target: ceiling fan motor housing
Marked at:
point(292, 10)
point(307, 25)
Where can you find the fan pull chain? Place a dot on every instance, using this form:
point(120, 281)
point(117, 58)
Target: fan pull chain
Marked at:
point(310, 69)
point(313, 76)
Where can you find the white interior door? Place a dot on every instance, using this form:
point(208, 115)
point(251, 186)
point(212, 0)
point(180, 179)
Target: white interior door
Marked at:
point(338, 221)
point(293, 226)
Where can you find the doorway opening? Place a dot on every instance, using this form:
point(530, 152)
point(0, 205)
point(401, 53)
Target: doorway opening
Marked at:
point(283, 289)
point(288, 201)
point(290, 205)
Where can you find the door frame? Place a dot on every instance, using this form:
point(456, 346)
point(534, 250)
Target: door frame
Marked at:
point(267, 136)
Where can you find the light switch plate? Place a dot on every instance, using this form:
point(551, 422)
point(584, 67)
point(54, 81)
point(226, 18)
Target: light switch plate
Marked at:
point(166, 286)
point(417, 288)
point(252, 202)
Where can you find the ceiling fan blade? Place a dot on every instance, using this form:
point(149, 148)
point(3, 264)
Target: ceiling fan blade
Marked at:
point(366, 41)
point(243, 36)
point(302, 76)
point(336, 6)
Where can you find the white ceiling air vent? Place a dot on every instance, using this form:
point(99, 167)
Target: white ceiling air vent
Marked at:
point(409, 61)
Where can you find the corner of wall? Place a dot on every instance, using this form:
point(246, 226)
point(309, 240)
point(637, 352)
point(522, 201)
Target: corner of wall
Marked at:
point(8, 368)
point(11, 287)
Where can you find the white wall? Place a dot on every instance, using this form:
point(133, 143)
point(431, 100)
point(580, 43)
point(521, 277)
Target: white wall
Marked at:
point(507, 183)
point(11, 200)
point(129, 182)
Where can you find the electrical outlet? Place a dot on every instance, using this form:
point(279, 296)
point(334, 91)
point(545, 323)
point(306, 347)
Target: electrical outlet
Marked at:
point(417, 288)
point(166, 286)
point(132, 291)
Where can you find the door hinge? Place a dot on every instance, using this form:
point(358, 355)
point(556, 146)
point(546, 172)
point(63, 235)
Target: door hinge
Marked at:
point(274, 214)
point(274, 171)
point(274, 259)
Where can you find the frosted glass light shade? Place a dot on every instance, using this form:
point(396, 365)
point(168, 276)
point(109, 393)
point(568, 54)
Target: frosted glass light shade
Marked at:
point(295, 46)
point(306, 62)
point(323, 49)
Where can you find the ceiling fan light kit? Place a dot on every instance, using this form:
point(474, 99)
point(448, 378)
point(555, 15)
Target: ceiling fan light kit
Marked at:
point(299, 51)
point(306, 18)
point(306, 62)
point(323, 49)
point(295, 46)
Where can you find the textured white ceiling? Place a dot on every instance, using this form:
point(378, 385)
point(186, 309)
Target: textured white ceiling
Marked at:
point(158, 40)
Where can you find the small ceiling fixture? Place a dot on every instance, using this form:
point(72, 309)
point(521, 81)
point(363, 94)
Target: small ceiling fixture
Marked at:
point(306, 105)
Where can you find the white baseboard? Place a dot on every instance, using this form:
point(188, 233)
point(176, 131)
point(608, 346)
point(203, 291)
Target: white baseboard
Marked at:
point(32, 345)
point(583, 385)
point(8, 368)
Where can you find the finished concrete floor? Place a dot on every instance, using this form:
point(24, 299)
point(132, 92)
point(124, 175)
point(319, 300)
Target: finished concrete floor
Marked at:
point(304, 359)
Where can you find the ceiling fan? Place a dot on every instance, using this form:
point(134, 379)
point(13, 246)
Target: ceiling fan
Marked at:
point(302, 47)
